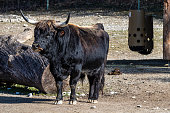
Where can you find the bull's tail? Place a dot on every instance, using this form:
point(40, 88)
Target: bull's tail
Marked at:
point(82, 77)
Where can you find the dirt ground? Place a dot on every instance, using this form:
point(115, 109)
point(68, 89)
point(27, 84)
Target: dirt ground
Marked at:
point(143, 86)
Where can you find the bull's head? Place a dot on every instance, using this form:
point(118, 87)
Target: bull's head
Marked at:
point(50, 36)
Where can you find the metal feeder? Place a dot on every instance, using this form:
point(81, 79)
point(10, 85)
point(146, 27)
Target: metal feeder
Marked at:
point(149, 36)
point(140, 30)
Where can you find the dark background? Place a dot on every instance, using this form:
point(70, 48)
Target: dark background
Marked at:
point(116, 5)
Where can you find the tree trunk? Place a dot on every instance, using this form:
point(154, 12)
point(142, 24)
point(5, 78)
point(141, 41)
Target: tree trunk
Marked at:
point(19, 64)
point(166, 30)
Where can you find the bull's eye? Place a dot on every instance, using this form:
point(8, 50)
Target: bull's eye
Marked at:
point(61, 33)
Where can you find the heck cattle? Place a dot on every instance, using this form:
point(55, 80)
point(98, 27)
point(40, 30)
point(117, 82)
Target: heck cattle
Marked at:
point(75, 51)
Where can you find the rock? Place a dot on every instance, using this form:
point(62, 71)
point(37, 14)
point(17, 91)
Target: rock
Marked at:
point(133, 97)
point(82, 94)
point(166, 65)
point(77, 94)
point(25, 25)
point(113, 93)
point(29, 95)
point(93, 107)
point(156, 108)
point(139, 106)
point(124, 78)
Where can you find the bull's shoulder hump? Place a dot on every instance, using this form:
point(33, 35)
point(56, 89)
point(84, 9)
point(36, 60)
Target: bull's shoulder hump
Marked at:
point(81, 29)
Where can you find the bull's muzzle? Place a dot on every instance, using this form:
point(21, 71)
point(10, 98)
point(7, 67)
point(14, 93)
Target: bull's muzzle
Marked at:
point(36, 47)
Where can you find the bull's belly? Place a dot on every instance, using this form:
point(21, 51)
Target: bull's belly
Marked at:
point(91, 67)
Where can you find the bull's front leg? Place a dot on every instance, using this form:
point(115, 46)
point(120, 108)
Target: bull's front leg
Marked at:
point(75, 76)
point(59, 98)
point(73, 99)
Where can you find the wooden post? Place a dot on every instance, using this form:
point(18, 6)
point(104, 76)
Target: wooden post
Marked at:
point(166, 30)
point(47, 4)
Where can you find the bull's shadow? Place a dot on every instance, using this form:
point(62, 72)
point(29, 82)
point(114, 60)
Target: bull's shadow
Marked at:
point(140, 66)
point(16, 100)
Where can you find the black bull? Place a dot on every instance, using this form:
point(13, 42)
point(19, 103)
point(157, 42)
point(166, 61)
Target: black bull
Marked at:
point(75, 51)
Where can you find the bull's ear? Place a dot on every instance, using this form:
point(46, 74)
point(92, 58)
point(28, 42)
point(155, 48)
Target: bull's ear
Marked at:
point(61, 33)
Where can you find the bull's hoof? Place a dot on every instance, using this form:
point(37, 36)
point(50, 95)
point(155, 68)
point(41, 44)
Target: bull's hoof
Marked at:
point(72, 102)
point(93, 101)
point(89, 101)
point(58, 102)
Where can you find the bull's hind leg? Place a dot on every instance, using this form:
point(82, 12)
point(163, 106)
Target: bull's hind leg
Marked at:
point(91, 89)
point(94, 89)
point(96, 81)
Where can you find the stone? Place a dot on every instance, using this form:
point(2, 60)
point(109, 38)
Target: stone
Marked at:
point(29, 95)
point(139, 106)
point(93, 107)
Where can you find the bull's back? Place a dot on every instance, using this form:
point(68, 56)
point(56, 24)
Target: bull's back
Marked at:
point(95, 44)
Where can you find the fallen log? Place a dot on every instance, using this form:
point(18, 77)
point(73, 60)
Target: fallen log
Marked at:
point(20, 65)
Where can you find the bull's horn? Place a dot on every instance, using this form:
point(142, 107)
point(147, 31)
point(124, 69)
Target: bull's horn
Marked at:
point(66, 22)
point(27, 20)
